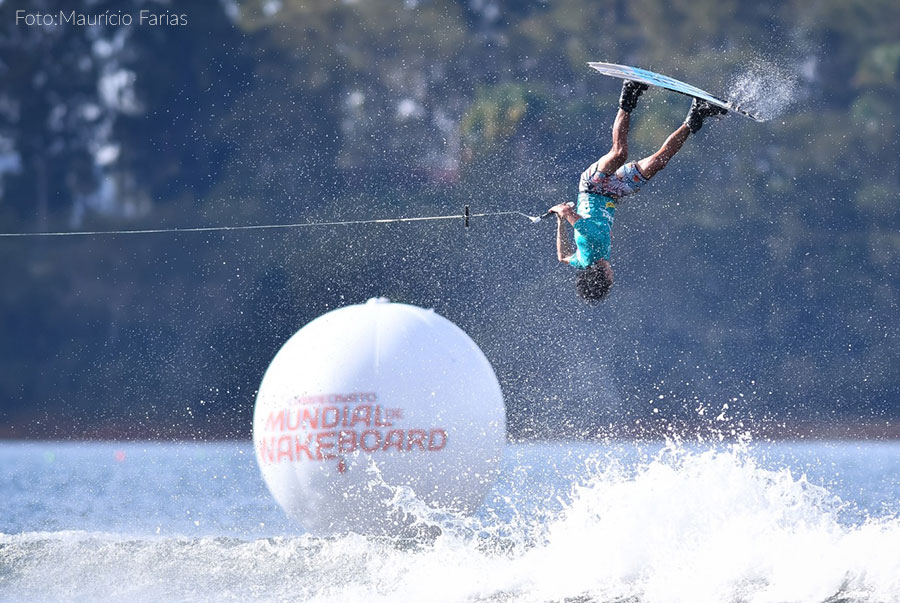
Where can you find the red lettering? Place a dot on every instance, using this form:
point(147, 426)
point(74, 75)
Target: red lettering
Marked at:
point(379, 422)
point(323, 443)
point(311, 417)
point(394, 439)
point(303, 447)
point(289, 426)
point(347, 441)
point(267, 452)
point(367, 433)
point(275, 422)
point(416, 436)
point(329, 422)
point(284, 448)
point(437, 439)
point(326, 445)
point(362, 414)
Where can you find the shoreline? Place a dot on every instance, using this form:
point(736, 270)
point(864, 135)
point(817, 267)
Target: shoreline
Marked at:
point(829, 434)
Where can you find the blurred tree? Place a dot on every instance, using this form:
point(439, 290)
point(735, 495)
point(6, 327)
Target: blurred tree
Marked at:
point(56, 108)
point(763, 260)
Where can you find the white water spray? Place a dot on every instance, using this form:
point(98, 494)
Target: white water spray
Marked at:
point(764, 88)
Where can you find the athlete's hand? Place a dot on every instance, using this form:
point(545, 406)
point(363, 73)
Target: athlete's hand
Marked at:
point(561, 210)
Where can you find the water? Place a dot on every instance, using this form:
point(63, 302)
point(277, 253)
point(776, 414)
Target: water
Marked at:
point(569, 522)
point(764, 88)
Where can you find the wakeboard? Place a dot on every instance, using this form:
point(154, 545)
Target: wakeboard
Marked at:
point(662, 81)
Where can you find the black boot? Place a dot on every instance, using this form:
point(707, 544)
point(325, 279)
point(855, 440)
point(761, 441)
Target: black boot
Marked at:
point(630, 93)
point(700, 110)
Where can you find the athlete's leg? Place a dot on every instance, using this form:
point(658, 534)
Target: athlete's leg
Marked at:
point(699, 111)
point(649, 166)
point(600, 176)
point(618, 153)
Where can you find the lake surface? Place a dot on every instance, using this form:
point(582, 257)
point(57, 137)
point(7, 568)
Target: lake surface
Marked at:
point(566, 522)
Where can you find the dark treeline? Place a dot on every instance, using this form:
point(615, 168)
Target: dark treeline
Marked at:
point(758, 271)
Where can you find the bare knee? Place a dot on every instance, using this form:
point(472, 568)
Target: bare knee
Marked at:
point(618, 155)
point(650, 166)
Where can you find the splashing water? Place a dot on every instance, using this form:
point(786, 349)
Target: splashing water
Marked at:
point(681, 525)
point(713, 527)
point(764, 89)
point(692, 527)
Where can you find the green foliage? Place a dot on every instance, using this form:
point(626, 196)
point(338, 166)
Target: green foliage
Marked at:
point(880, 67)
point(497, 114)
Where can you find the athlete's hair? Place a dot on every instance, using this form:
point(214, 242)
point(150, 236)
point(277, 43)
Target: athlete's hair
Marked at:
point(594, 282)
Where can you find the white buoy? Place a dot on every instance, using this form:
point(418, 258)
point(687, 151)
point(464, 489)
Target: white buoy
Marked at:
point(373, 396)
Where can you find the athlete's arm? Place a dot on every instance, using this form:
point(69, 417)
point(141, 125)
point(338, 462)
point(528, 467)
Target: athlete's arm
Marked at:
point(565, 210)
point(564, 247)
